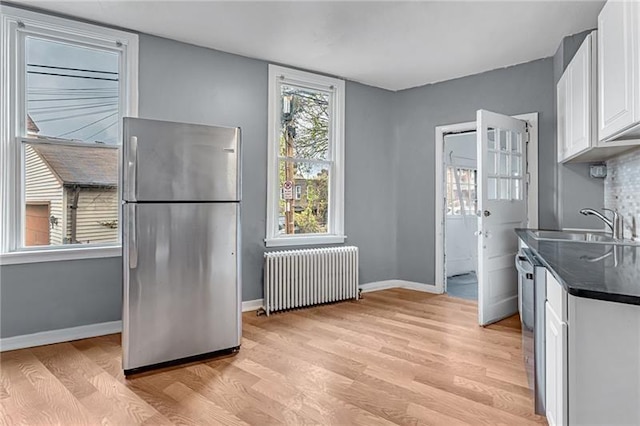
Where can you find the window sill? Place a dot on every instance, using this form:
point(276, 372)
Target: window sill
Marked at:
point(54, 255)
point(304, 240)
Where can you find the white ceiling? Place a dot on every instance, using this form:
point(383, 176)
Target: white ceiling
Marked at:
point(394, 44)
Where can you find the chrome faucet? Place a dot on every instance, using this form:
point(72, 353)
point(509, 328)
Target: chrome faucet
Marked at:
point(615, 225)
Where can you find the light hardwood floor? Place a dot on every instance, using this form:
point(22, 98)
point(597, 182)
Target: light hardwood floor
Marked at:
point(395, 357)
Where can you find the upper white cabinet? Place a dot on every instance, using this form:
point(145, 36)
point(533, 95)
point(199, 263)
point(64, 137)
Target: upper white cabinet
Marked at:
point(619, 71)
point(576, 103)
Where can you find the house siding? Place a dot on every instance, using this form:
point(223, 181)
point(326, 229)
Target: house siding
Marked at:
point(42, 186)
point(95, 206)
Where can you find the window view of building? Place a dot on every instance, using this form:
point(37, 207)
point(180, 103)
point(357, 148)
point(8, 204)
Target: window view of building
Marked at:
point(304, 162)
point(462, 200)
point(70, 186)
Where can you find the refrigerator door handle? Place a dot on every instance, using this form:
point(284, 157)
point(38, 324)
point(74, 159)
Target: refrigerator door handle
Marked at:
point(133, 239)
point(132, 168)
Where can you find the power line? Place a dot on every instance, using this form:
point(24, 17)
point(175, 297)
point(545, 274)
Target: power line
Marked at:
point(60, 108)
point(85, 126)
point(72, 69)
point(72, 76)
point(97, 133)
point(71, 88)
point(67, 117)
point(72, 99)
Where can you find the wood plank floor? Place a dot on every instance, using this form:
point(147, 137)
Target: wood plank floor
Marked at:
point(395, 357)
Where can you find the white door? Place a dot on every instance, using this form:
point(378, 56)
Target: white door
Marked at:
point(502, 204)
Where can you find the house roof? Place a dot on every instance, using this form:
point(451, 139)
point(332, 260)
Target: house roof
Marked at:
point(92, 165)
point(31, 125)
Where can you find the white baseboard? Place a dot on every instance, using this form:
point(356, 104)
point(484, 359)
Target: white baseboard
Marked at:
point(252, 305)
point(60, 335)
point(410, 285)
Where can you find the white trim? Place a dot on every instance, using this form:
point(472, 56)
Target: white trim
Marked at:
point(409, 285)
point(278, 75)
point(57, 254)
point(59, 336)
point(252, 305)
point(15, 24)
point(532, 193)
point(304, 240)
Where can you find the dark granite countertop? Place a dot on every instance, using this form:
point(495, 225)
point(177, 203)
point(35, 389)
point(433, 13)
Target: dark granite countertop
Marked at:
point(596, 271)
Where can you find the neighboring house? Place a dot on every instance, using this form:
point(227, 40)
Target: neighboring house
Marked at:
point(71, 194)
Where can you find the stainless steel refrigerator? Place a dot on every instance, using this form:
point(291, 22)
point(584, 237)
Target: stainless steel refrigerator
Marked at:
point(181, 242)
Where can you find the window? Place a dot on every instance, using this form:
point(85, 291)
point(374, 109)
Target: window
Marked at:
point(69, 86)
point(505, 164)
point(306, 153)
point(461, 200)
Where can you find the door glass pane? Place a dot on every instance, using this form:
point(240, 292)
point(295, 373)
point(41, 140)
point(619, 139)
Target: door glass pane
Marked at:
point(491, 137)
point(492, 188)
point(503, 141)
point(71, 194)
point(516, 165)
point(304, 118)
point(516, 142)
point(504, 189)
point(309, 214)
point(504, 164)
point(516, 189)
point(491, 163)
point(72, 92)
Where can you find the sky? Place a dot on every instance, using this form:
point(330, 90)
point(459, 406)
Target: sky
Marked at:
point(81, 102)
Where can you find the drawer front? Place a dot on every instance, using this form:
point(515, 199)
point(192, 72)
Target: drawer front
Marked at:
point(557, 297)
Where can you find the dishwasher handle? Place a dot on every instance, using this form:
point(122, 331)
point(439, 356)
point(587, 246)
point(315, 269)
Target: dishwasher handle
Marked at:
point(523, 270)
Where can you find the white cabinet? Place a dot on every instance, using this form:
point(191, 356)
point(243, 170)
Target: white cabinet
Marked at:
point(619, 71)
point(576, 91)
point(577, 109)
point(556, 332)
point(556, 363)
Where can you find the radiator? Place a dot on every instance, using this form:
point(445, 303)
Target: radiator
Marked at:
point(297, 278)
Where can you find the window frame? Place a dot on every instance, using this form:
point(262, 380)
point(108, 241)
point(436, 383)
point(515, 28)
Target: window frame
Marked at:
point(335, 233)
point(15, 25)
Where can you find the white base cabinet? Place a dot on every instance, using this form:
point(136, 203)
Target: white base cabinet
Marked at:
point(592, 360)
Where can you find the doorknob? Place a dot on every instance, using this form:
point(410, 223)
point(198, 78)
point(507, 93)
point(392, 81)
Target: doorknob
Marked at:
point(486, 213)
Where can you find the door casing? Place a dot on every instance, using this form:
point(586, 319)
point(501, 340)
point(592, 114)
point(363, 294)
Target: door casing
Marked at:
point(532, 192)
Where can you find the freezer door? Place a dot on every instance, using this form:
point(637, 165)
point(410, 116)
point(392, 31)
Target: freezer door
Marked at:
point(181, 281)
point(166, 161)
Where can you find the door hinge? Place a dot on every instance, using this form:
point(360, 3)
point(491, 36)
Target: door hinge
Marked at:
point(526, 133)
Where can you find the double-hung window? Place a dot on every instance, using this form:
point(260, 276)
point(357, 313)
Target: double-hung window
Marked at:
point(66, 86)
point(306, 153)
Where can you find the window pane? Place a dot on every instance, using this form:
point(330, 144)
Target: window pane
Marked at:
point(491, 137)
point(492, 188)
point(304, 119)
point(72, 91)
point(503, 141)
point(516, 189)
point(307, 215)
point(504, 189)
point(516, 165)
point(71, 194)
point(504, 167)
point(516, 142)
point(491, 163)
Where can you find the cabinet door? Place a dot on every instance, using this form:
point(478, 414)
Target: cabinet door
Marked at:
point(615, 68)
point(561, 101)
point(556, 365)
point(579, 100)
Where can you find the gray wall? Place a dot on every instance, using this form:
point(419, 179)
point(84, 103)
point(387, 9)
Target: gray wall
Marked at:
point(576, 188)
point(514, 90)
point(181, 82)
point(47, 296)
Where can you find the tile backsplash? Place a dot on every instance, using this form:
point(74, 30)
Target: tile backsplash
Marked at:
point(622, 190)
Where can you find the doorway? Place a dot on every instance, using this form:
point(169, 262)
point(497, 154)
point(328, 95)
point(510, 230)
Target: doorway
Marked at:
point(461, 202)
point(506, 192)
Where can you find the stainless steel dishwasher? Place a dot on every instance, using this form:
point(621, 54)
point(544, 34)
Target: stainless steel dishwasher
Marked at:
point(532, 295)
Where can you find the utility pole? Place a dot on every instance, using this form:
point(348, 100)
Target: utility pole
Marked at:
point(289, 166)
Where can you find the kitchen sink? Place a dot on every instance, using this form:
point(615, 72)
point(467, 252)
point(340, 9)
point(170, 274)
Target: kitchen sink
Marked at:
point(590, 237)
point(581, 237)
